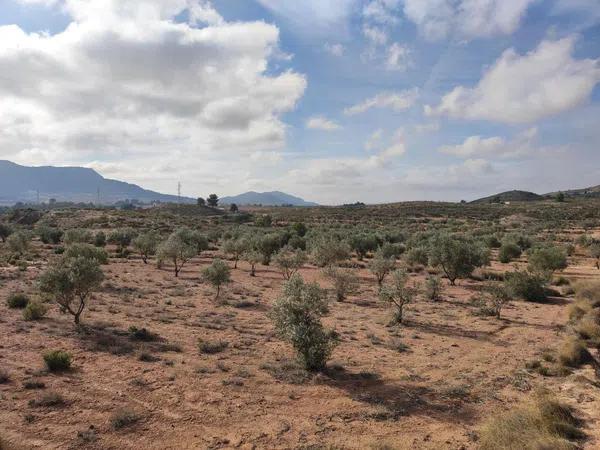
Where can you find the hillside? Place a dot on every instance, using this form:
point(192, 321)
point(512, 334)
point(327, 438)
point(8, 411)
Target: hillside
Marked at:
point(510, 196)
point(593, 191)
point(275, 198)
point(77, 184)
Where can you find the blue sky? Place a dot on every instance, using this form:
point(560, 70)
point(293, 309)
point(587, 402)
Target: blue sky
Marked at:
point(335, 101)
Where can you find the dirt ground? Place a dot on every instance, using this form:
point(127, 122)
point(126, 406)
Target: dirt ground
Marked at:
point(427, 384)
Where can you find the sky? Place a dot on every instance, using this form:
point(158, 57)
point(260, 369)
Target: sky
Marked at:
point(336, 101)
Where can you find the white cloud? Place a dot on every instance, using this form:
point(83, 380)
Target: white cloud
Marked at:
point(381, 11)
point(398, 57)
point(476, 146)
point(334, 49)
point(438, 19)
point(321, 123)
point(375, 35)
point(522, 89)
point(374, 140)
point(125, 83)
point(398, 101)
point(467, 174)
point(427, 127)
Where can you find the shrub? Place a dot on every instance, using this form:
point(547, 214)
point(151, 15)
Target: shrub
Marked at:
point(417, 256)
point(48, 399)
point(290, 261)
point(146, 244)
point(178, 248)
point(573, 353)
point(211, 347)
point(17, 300)
point(18, 242)
point(267, 245)
point(70, 282)
point(589, 290)
point(344, 282)
point(543, 424)
point(498, 297)
point(380, 266)
point(86, 251)
point(509, 251)
point(594, 252)
point(588, 326)
point(328, 251)
point(300, 229)
point(34, 311)
point(124, 418)
point(49, 235)
point(57, 360)
point(5, 231)
point(389, 250)
point(363, 243)
point(433, 288)
point(78, 236)
point(547, 259)
point(297, 316)
point(398, 293)
point(527, 285)
point(122, 238)
point(217, 274)
point(100, 239)
point(456, 257)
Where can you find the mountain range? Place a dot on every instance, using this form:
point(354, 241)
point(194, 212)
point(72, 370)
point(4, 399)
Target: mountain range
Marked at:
point(274, 198)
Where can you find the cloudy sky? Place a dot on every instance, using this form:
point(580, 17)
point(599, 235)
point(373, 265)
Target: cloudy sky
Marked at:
point(333, 100)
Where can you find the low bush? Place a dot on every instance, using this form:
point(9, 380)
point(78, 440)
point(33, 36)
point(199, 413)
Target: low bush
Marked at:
point(17, 300)
point(124, 418)
point(526, 285)
point(508, 252)
point(212, 347)
point(57, 360)
point(34, 311)
point(574, 353)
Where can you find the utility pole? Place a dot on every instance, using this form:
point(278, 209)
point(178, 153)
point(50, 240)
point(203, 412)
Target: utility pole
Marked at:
point(179, 192)
point(98, 196)
point(38, 196)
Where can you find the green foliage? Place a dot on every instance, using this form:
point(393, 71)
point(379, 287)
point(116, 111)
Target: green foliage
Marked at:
point(289, 261)
point(498, 296)
point(594, 252)
point(433, 288)
point(547, 259)
point(398, 293)
point(5, 231)
point(213, 200)
point(70, 281)
point(122, 238)
point(77, 236)
point(526, 285)
point(49, 235)
point(344, 281)
point(264, 220)
point(217, 274)
point(17, 300)
point(268, 245)
point(235, 248)
point(57, 360)
point(179, 248)
point(457, 257)
point(100, 239)
point(389, 250)
point(300, 229)
point(363, 243)
point(86, 251)
point(417, 256)
point(18, 242)
point(327, 250)
point(297, 314)
point(146, 244)
point(252, 257)
point(34, 311)
point(509, 251)
point(380, 266)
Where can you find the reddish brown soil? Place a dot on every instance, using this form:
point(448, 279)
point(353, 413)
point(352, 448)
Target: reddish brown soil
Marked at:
point(458, 368)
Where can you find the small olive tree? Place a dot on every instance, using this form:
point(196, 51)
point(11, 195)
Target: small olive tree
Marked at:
point(70, 283)
point(18, 242)
point(122, 239)
point(268, 245)
point(87, 251)
point(177, 249)
point(433, 288)
point(498, 297)
point(5, 231)
point(217, 274)
point(146, 244)
point(547, 259)
point(290, 261)
point(328, 251)
point(252, 257)
point(457, 257)
point(362, 244)
point(235, 248)
point(344, 281)
point(397, 293)
point(297, 314)
point(381, 266)
point(78, 236)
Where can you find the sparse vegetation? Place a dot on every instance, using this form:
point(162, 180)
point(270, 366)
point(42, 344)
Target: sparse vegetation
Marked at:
point(217, 274)
point(57, 361)
point(17, 300)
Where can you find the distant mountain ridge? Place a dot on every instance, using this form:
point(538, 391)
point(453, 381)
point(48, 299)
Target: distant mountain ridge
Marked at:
point(275, 198)
point(76, 184)
point(510, 196)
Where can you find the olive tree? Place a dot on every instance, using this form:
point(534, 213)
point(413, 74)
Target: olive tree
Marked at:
point(380, 266)
point(252, 257)
point(146, 244)
point(362, 244)
point(509, 251)
point(18, 242)
point(78, 235)
point(289, 261)
point(70, 282)
point(457, 257)
point(236, 248)
point(49, 235)
point(5, 231)
point(498, 297)
point(87, 251)
point(344, 281)
point(122, 238)
point(268, 245)
point(547, 259)
point(398, 293)
point(297, 314)
point(217, 274)
point(177, 249)
point(328, 251)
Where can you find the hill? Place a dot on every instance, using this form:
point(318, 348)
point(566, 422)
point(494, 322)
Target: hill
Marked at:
point(275, 198)
point(510, 196)
point(75, 184)
point(593, 191)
